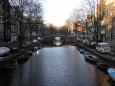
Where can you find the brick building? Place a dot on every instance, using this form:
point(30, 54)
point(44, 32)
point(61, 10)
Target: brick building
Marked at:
point(106, 8)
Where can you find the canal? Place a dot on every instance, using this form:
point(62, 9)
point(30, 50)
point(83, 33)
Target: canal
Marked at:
point(55, 66)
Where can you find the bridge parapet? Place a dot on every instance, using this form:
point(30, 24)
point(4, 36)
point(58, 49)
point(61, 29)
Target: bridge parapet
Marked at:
point(50, 39)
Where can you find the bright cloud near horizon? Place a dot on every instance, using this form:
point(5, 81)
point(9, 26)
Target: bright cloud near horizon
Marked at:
point(56, 12)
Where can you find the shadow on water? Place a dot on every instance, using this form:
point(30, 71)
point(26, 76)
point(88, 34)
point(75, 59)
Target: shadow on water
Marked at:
point(6, 77)
point(111, 82)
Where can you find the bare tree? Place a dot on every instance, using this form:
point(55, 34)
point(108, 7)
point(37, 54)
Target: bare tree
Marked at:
point(78, 15)
point(29, 12)
point(93, 15)
point(94, 11)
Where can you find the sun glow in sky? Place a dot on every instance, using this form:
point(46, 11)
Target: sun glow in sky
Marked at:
point(57, 12)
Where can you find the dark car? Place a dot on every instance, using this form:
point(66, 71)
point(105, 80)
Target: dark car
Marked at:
point(26, 44)
point(14, 50)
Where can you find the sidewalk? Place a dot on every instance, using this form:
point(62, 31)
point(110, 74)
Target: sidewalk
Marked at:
point(105, 57)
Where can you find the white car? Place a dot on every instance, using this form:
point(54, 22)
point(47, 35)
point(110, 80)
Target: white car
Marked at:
point(34, 41)
point(4, 51)
point(39, 38)
point(103, 48)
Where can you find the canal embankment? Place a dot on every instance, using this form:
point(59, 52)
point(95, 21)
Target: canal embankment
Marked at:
point(110, 59)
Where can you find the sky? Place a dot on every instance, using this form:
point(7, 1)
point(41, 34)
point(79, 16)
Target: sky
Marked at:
point(56, 12)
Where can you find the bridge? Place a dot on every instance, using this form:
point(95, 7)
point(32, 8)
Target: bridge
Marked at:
point(50, 38)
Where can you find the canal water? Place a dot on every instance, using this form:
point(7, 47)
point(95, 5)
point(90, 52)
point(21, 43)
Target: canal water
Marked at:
point(56, 66)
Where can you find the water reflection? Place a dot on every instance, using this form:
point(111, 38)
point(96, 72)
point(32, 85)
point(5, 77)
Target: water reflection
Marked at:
point(57, 41)
point(37, 52)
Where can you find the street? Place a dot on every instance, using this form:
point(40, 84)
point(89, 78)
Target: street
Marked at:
point(56, 66)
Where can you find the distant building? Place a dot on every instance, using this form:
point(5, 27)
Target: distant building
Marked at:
point(79, 28)
point(89, 28)
point(15, 29)
point(107, 8)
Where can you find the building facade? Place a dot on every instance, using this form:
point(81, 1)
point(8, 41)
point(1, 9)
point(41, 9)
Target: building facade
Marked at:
point(106, 8)
point(5, 24)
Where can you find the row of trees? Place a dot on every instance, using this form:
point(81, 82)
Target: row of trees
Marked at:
point(31, 10)
point(25, 16)
point(91, 16)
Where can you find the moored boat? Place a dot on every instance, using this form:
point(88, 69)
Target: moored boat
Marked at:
point(24, 57)
point(29, 53)
point(111, 72)
point(102, 66)
point(82, 51)
point(91, 58)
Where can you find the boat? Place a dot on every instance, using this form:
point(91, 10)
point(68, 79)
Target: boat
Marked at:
point(87, 53)
point(35, 49)
point(91, 58)
point(24, 57)
point(29, 53)
point(102, 66)
point(82, 51)
point(74, 44)
point(111, 72)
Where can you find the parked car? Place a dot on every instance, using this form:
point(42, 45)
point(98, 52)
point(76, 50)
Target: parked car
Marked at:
point(85, 42)
point(29, 42)
point(4, 51)
point(40, 38)
point(14, 49)
point(103, 48)
point(34, 41)
point(92, 45)
point(26, 44)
